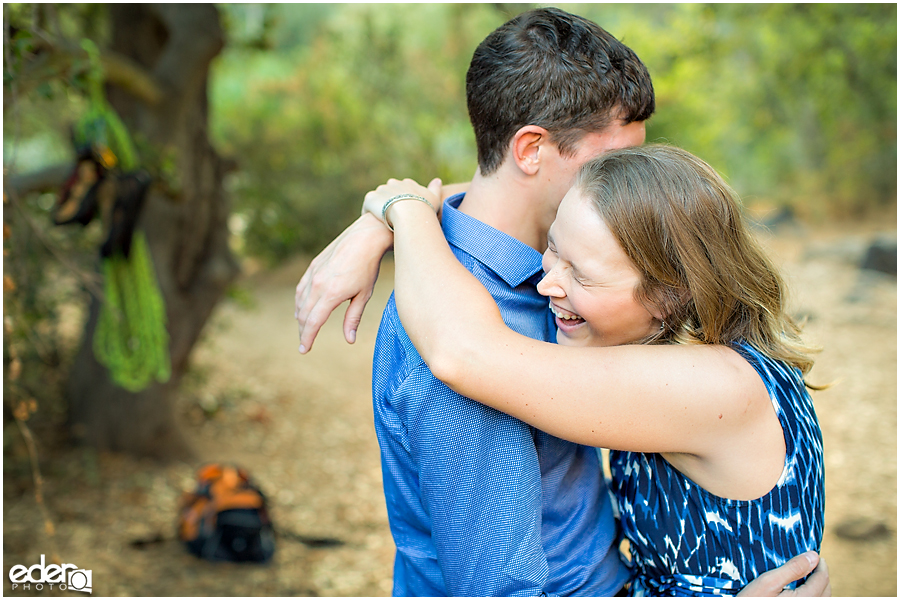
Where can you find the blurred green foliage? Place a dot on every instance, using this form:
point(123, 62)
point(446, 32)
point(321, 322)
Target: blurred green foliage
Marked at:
point(794, 103)
point(354, 94)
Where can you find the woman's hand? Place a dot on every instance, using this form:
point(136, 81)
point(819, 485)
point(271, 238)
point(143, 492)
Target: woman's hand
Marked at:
point(376, 200)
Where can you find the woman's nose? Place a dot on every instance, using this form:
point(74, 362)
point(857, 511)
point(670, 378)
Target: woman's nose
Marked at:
point(549, 285)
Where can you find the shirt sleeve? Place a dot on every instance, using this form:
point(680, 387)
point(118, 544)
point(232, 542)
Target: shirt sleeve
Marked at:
point(480, 484)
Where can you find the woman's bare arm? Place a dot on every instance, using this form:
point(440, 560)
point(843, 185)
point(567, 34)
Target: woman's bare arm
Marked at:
point(684, 399)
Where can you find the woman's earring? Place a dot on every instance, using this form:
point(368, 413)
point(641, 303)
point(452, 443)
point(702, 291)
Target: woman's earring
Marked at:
point(662, 326)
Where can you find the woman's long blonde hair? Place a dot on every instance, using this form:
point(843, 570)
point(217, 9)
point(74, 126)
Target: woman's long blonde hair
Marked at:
point(681, 226)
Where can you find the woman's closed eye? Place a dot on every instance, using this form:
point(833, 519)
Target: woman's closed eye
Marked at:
point(581, 279)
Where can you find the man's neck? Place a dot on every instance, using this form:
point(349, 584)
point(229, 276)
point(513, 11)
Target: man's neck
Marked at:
point(508, 205)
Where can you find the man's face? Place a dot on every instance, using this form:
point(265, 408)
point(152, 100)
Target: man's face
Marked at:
point(591, 146)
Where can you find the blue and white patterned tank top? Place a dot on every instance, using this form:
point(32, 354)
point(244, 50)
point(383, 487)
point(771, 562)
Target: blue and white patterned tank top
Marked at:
point(686, 541)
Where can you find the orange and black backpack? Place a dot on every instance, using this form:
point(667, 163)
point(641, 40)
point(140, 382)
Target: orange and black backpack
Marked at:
point(226, 518)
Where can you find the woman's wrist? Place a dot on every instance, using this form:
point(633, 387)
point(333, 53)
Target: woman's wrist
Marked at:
point(383, 200)
point(401, 198)
point(397, 211)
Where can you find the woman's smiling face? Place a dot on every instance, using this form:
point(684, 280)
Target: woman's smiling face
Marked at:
point(590, 281)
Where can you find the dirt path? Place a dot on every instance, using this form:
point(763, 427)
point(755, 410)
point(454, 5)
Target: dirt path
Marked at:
point(302, 426)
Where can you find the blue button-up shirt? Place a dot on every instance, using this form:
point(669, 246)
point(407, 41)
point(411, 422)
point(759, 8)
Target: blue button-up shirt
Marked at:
point(481, 504)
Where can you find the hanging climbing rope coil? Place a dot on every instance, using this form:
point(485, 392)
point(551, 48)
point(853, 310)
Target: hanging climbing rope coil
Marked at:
point(130, 339)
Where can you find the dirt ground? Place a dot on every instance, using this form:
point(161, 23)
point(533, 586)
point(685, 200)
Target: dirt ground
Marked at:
point(302, 425)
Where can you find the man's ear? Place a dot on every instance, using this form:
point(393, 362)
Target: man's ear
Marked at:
point(526, 147)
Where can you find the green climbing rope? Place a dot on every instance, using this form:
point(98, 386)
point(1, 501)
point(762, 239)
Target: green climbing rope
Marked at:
point(130, 339)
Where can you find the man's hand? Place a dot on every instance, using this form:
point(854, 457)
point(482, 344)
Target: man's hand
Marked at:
point(345, 270)
point(771, 583)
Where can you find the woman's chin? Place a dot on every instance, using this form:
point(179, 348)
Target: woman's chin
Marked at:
point(564, 340)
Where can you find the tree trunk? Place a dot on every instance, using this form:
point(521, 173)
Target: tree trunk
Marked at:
point(187, 235)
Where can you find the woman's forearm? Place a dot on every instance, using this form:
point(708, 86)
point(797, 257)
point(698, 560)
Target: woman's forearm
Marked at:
point(441, 305)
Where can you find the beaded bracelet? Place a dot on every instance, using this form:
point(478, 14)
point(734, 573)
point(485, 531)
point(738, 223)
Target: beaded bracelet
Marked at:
point(398, 198)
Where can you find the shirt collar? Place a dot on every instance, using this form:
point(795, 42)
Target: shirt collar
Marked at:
point(512, 260)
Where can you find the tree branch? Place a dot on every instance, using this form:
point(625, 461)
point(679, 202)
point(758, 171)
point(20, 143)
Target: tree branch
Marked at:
point(129, 76)
point(43, 180)
point(118, 70)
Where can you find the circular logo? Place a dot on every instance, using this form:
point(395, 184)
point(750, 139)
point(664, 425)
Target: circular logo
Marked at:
point(78, 580)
